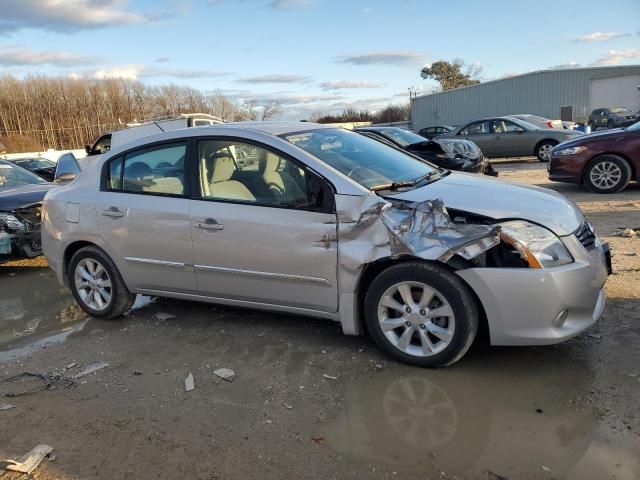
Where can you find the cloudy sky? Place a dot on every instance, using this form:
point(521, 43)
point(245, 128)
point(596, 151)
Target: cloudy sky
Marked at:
point(310, 55)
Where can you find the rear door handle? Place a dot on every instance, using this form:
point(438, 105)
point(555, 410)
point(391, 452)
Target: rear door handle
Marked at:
point(208, 224)
point(112, 212)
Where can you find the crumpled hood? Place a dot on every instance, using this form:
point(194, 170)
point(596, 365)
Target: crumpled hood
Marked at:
point(23, 196)
point(501, 200)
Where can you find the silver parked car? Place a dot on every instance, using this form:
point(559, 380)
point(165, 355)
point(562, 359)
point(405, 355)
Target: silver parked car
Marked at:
point(328, 223)
point(512, 137)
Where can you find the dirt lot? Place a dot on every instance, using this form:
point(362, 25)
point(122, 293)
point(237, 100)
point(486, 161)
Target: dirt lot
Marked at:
point(566, 411)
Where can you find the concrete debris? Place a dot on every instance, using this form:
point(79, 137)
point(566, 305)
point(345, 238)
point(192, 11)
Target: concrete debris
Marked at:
point(29, 461)
point(89, 369)
point(52, 457)
point(378, 367)
point(546, 469)
point(628, 232)
point(7, 406)
point(163, 316)
point(225, 374)
point(71, 365)
point(137, 372)
point(189, 384)
point(330, 377)
point(594, 335)
point(287, 406)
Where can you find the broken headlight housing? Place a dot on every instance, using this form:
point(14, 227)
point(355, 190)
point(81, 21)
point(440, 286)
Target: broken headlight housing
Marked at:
point(11, 221)
point(537, 246)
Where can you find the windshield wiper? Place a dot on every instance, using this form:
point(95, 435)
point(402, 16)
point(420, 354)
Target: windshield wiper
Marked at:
point(409, 183)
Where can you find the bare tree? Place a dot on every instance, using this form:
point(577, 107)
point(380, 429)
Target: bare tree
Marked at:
point(271, 110)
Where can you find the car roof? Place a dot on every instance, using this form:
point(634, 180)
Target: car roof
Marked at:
point(271, 127)
point(378, 129)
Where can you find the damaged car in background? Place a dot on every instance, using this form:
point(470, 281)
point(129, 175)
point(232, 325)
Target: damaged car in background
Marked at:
point(450, 153)
point(327, 223)
point(21, 194)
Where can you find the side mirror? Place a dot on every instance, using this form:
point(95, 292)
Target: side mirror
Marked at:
point(67, 169)
point(520, 130)
point(65, 177)
point(87, 148)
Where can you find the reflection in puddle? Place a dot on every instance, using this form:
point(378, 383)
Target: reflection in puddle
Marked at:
point(511, 420)
point(34, 311)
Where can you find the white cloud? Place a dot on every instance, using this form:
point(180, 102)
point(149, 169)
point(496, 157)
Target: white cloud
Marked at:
point(383, 58)
point(614, 57)
point(66, 15)
point(128, 72)
point(290, 4)
point(600, 36)
point(275, 78)
point(350, 84)
point(16, 56)
point(138, 71)
point(570, 64)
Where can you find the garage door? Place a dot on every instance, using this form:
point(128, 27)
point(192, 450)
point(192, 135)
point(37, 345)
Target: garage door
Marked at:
point(616, 92)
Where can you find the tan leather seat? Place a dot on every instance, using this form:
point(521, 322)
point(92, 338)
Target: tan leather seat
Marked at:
point(221, 185)
point(280, 183)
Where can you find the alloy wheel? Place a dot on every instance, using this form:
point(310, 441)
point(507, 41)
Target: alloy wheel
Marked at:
point(545, 151)
point(416, 319)
point(93, 284)
point(605, 175)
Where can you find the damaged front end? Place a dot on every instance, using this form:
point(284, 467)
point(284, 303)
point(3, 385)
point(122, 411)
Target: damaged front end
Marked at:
point(20, 233)
point(454, 154)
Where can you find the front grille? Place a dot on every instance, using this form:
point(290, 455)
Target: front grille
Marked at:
point(32, 216)
point(586, 236)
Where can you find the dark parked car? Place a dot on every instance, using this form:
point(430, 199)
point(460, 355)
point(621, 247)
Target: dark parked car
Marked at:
point(451, 154)
point(21, 195)
point(511, 137)
point(612, 117)
point(431, 132)
point(40, 166)
point(604, 161)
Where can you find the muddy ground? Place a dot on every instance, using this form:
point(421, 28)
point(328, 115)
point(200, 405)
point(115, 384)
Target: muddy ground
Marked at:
point(566, 411)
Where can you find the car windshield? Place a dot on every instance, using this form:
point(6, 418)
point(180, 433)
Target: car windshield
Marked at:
point(33, 163)
point(402, 137)
point(621, 110)
point(13, 176)
point(634, 127)
point(369, 162)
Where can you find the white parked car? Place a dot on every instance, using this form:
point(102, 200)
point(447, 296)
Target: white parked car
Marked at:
point(328, 223)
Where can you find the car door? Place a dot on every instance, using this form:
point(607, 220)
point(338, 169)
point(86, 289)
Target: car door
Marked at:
point(265, 233)
point(480, 134)
point(143, 217)
point(511, 140)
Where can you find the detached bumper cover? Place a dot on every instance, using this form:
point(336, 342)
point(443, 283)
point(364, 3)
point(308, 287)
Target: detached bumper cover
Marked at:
point(523, 305)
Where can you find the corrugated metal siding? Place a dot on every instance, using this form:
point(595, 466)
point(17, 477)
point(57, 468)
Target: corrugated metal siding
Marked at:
point(539, 93)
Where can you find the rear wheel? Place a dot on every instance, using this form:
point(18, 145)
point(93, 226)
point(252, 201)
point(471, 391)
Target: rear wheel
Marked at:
point(421, 314)
point(543, 150)
point(96, 284)
point(607, 174)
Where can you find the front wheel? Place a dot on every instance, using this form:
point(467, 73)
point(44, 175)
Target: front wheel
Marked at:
point(96, 284)
point(421, 314)
point(607, 174)
point(543, 151)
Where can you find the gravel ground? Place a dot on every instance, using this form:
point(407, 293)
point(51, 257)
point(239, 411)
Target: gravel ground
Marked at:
point(308, 402)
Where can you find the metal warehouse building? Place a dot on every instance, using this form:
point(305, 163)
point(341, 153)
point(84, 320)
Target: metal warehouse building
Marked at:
point(568, 94)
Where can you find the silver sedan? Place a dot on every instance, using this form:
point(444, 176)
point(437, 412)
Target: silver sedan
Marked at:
point(324, 222)
point(512, 137)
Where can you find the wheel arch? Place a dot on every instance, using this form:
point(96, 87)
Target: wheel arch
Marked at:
point(375, 268)
point(540, 142)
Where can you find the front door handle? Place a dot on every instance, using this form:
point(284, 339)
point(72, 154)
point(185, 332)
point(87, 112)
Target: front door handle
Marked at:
point(112, 212)
point(208, 224)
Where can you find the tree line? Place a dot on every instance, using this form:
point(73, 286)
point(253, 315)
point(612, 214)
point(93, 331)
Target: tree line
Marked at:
point(40, 112)
point(390, 113)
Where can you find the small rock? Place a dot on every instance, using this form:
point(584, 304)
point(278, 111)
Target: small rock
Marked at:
point(163, 316)
point(7, 406)
point(189, 384)
point(595, 335)
point(52, 457)
point(546, 469)
point(628, 232)
point(137, 372)
point(538, 410)
point(71, 365)
point(378, 367)
point(323, 351)
point(225, 374)
point(287, 406)
point(330, 377)
point(89, 369)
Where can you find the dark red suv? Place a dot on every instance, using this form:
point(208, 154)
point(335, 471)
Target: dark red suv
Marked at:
point(604, 161)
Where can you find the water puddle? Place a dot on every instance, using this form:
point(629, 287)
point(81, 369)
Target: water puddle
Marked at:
point(34, 311)
point(524, 420)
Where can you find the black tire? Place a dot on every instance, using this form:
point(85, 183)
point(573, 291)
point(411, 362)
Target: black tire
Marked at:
point(121, 299)
point(545, 145)
point(459, 296)
point(600, 162)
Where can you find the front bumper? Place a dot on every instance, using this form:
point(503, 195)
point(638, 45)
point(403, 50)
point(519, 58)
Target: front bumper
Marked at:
point(542, 306)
